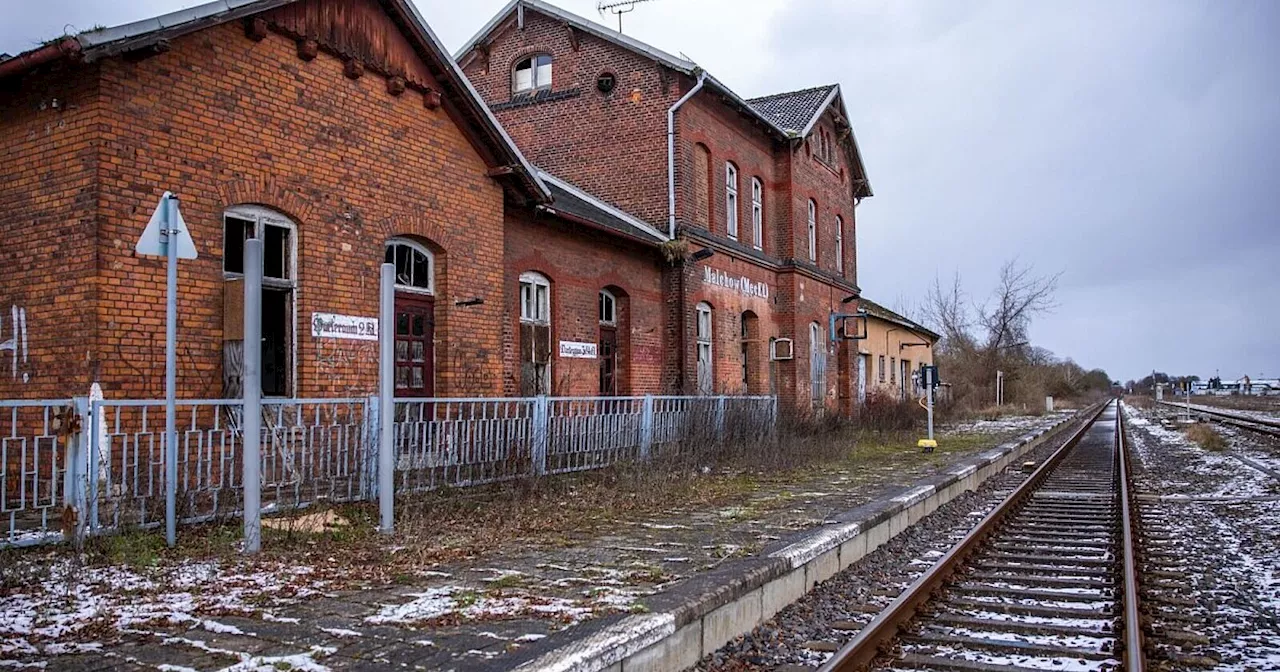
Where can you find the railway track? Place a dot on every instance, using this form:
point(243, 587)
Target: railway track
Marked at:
point(1258, 425)
point(1048, 580)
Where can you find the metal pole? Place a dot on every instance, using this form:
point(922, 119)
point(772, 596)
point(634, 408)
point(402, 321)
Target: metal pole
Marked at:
point(928, 386)
point(251, 381)
point(386, 398)
point(170, 373)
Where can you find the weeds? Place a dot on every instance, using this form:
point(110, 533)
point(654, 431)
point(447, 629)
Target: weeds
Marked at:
point(1206, 436)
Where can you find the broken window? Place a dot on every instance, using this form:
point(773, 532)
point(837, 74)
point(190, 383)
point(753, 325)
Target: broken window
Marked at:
point(535, 334)
point(532, 73)
point(279, 284)
point(608, 308)
point(415, 271)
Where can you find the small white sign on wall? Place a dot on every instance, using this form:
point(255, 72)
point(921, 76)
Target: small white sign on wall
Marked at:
point(577, 350)
point(355, 327)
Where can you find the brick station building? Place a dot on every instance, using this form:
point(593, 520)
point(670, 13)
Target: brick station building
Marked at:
point(343, 135)
point(767, 186)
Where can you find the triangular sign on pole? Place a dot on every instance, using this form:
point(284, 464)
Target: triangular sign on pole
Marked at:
point(154, 239)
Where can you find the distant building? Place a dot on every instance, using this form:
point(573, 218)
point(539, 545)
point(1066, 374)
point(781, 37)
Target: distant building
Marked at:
point(892, 353)
point(1243, 385)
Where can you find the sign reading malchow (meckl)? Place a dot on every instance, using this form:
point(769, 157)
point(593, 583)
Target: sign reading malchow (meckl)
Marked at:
point(740, 284)
point(577, 350)
point(328, 325)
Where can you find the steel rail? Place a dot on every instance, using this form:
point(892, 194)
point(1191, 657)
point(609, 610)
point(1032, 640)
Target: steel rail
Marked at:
point(1134, 655)
point(1263, 425)
point(858, 654)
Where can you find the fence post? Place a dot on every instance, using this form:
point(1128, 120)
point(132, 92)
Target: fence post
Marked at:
point(386, 399)
point(251, 407)
point(73, 483)
point(646, 428)
point(96, 431)
point(369, 465)
point(720, 402)
point(541, 433)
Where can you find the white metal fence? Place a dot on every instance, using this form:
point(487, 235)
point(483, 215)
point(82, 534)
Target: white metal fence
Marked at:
point(107, 457)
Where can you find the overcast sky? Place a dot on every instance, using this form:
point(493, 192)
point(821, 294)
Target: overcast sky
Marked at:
point(1132, 146)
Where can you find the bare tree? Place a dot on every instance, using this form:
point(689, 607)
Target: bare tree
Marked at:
point(1019, 296)
point(946, 310)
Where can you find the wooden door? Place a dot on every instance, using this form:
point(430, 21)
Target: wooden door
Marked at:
point(414, 349)
point(608, 361)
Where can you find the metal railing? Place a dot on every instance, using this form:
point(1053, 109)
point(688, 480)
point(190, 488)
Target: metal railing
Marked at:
point(323, 450)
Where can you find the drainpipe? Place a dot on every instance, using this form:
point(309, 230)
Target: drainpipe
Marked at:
point(671, 155)
point(682, 358)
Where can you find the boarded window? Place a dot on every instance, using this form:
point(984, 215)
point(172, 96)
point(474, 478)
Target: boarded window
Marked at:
point(701, 186)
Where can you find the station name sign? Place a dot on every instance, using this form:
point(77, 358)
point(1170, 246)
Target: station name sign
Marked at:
point(577, 350)
point(355, 327)
point(743, 285)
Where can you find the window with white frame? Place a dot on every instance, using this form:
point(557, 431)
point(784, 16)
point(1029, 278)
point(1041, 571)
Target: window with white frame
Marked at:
point(731, 199)
point(535, 298)
point(813, 230)
point(839, 244)
point(757, 213)
point(415, 266)
point(608, 308)
point(817, 363)
point(279, 284)
point(532, 73)
point(702, 332)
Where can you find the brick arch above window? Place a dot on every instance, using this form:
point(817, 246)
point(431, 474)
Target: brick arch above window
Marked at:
point(267, 193)
point(425, 229)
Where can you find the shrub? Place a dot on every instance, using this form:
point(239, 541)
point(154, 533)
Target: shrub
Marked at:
point(1206, 436)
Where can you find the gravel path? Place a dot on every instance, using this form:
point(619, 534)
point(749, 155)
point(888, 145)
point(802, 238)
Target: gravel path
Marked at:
point(806, 633)
point(1212, 537)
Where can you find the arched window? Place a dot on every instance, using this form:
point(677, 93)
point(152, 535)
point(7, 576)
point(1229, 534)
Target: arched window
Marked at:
point(532, 73)
point(757, 213)
point(415, 266)
point(813, 231)
point(279, 283)
point(535, 298)
point(731, 199)
point(608, 308)
point(535, 334)
point(839, 244)
point(702, 330)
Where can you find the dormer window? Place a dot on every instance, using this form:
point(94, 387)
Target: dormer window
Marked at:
point(532, 73)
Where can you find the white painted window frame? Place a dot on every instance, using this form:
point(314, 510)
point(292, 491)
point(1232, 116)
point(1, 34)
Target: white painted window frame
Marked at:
point(813, 231)
point(535, 73)
point(703, 334)
point(418, 248)
point(608, 299)
point(839, 244)
point(262, 217)
point(731, 199)
point(757, 213)
point(535, 298)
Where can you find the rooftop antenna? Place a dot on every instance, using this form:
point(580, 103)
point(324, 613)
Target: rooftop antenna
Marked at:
point(619, 8)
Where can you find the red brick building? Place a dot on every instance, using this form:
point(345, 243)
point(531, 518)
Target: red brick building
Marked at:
point(767, 186)
point(343, 135)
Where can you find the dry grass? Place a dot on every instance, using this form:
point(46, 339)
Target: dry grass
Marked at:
point(1206, 436)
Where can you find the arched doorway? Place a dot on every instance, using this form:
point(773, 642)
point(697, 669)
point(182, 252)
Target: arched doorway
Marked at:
point(749, 331)
point(414, 317)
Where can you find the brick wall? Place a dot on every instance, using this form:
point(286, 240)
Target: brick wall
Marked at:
point(612, 145)
point(48, 256)
point(579, 263)
point(222, 120)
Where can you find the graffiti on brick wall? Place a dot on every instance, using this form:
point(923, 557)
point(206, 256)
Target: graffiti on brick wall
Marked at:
point(16, 344)
point(338, 359)
point(475, 376)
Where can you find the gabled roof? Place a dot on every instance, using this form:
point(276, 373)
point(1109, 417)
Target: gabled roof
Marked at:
point(574, 203)
point(773, 115)
point(880, 312)
point(105, 42)
point(794, 110)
